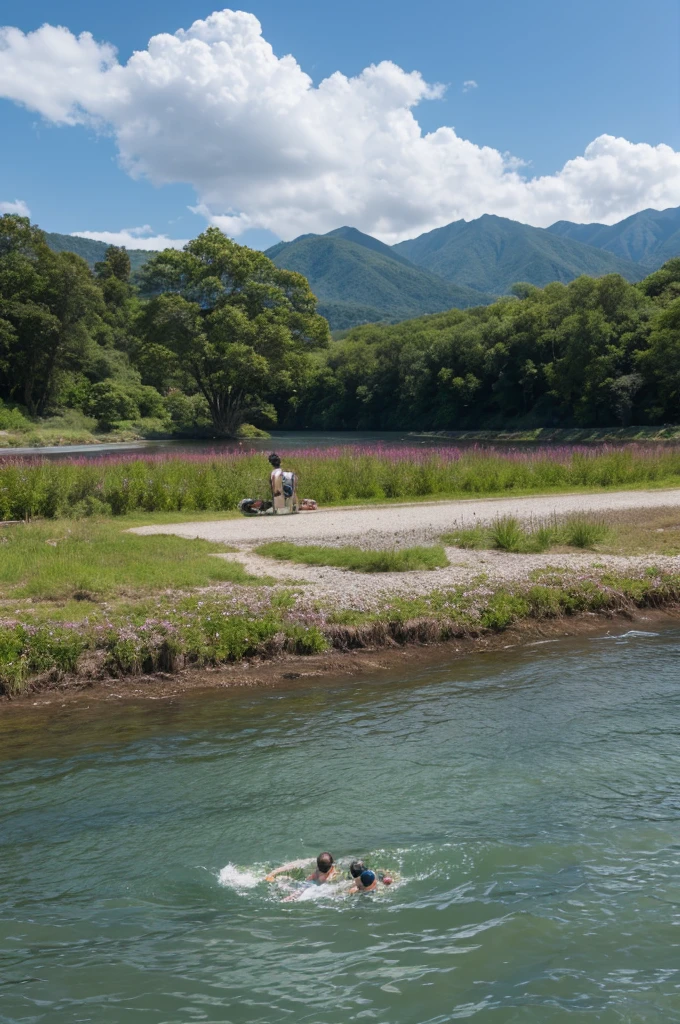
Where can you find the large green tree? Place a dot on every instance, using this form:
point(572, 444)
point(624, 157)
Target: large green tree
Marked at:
point(233, 324)
point(50, 311)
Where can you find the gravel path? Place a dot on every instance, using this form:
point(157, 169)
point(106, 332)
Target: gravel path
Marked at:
point(403, 525)
point(412, 523)
point(361, 590)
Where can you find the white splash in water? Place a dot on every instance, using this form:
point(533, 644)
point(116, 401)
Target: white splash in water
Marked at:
point(630, 634)
point(240, 878)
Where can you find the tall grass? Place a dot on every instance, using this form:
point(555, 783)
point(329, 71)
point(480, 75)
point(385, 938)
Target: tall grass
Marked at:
point(116, 485)
point(509, 534)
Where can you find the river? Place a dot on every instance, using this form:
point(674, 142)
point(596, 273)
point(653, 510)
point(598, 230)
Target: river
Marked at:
point(527, 801)
point(282, 440)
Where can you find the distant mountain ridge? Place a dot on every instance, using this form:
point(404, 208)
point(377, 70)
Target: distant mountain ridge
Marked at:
point(493, 253)
point(649, 237)
point(358, 279)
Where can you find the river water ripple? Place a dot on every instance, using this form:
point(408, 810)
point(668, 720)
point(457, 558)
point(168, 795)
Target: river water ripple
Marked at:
point(528, 803)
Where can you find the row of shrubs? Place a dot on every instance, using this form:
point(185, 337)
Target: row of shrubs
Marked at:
point(210, 635)
point(506, 533)
point(111, 404)
point(212, 482)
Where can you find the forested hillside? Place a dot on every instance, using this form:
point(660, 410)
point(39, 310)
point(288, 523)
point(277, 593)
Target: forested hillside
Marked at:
point(357, 279)
point(228, 337)
point(92, 251)
point(649, 238)
point(493, 253)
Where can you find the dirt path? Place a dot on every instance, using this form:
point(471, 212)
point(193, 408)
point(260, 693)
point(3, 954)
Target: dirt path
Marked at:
point(411, 523)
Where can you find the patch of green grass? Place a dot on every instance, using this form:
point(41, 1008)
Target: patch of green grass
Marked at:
point(580, 532)
point(471, 539)
point(90, 559)
point(509, 534)
point(356, 559)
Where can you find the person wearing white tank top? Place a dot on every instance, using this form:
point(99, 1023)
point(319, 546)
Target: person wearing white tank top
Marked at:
point(284, 487)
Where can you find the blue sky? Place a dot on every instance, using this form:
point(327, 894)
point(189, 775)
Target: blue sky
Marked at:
point(550, 78)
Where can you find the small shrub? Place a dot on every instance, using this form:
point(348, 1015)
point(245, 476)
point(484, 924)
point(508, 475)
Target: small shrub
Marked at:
point(12, 661)
point(544, 602)
point(580, 532)
point(12, 419)
point(507, 534)
point(503, 609)
point(110, 401)
point(539, 540)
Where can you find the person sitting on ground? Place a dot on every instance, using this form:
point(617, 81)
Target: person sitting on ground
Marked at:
point(284, 486)
point(325, 869)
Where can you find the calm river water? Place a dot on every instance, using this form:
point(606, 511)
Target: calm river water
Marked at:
point(528, 802)
point(281, 440)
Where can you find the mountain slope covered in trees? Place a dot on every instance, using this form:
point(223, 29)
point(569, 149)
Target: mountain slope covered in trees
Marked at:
point(649, 237)
point(493, 253)
point(358, 279)
point(92, 251)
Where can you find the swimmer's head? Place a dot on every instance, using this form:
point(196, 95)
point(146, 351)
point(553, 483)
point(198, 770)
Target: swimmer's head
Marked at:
point(324, 862)
point(356, 867)
point(275, 460)
point(367, 878)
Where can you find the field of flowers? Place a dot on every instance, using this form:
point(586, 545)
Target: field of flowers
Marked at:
point(209, 481)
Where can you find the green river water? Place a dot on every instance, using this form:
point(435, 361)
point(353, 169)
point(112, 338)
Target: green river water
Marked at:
point(528, 802)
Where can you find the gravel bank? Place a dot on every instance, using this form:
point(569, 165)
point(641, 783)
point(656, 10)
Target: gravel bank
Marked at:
point(410, 523)
point(402, 525)
point(363, 590)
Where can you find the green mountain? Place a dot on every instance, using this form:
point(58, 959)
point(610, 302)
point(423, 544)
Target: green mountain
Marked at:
point(358, 279)
point(90, 250)
point(649, 238)
point(369, 242)
point(493, 253)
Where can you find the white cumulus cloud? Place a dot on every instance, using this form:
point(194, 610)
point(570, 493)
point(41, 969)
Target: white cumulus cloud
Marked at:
point(134, 238)
point(469, 84)
point(18, 206)
point(263, 147)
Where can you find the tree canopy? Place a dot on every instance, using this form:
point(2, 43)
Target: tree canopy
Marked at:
point(231, 322)
point(207, 338)
point(595, 352)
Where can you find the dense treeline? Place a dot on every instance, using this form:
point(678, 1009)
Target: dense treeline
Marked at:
point(596, 352)
point(217, 335)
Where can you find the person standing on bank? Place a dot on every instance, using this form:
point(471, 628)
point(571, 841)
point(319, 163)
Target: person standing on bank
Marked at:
point(284, 487)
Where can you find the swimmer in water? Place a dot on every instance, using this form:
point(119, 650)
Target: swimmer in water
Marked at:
point(366, 882)
point(357, 867)
point(325, 869)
